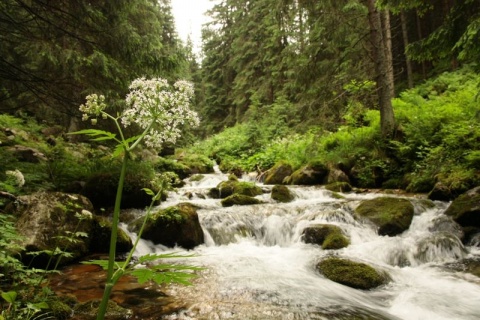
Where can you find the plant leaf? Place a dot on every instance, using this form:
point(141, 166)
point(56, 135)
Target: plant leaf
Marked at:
point(9, 296)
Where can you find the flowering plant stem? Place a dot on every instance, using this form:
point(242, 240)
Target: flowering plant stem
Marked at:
point(159, 110)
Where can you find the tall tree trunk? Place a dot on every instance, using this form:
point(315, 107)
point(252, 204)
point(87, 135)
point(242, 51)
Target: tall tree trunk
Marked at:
point(387, 40)
point(403, 20)
point(420, 37)
point(387, 119)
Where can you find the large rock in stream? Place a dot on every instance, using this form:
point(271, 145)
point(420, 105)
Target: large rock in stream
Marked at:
point(49, 220)
point(278, 173)
point(351, 273)
point(234, 186)
point(465, 210)
point(174, 226)
point(391, 215)
point(329, 236)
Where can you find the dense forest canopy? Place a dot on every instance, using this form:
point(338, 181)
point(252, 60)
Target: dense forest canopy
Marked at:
point(319, 57)
point(54, 53)
point(303, 63)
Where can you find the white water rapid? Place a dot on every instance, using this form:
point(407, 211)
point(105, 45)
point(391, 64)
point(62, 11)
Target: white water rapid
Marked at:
point(257, 266)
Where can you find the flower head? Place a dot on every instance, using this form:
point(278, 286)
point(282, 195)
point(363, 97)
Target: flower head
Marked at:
point(156, 105)
point(17, 176)
point(94, 106)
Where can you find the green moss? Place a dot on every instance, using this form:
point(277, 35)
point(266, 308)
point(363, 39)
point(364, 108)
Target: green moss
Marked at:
point(170, 215)
point(281, 193)
point(335, 241)
point(353, 274)
point(60, 309)
point(330, 237)
point(391, 215)
point(247, 188)
point(239, 199)
point(339, 187)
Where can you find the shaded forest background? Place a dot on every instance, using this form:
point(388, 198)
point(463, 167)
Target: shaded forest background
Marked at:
point(303, 62)
point(351, 83)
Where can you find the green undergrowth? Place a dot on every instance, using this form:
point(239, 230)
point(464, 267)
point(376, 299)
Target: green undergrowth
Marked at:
point(437, 140)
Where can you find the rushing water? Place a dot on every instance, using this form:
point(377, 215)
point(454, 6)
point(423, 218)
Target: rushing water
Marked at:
point(257, 266)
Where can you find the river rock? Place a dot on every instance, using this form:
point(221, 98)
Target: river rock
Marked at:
point(176, 225)
point(102, 229)
point(391, 215)
point(282, 193)
point(465, 209)
point(352, 274)
point(311, 174)
point(101, 189)
point(47, 220)
point(233, 186)
point(336, 175)
point(277, 173)
point(328, 236)
point(239, 199)
point(339, 187)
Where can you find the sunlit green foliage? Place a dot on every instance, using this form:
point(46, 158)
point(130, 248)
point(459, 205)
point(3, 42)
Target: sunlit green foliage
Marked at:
point(437, 139)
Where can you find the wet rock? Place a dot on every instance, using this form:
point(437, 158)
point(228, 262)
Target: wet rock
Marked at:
point(311, 174)
point(102, 228)
point(239, 199)
point(47, 220)
point(101, 189)
point(281, 193)
point(336, 175)
point(352, 274)
point(176, 225)
point(277, 173)
point(465, 209)
point(326, 235)
point(339, 187)
point(234, 186)
point(441, 192)
point(391, 215)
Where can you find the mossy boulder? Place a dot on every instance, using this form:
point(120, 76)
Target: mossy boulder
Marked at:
point(336, 175)
point(311, 174)
point(282, 193)
point(240, 200)
point(173, 226)
point(278, 173)
point(47, 220)
point(102, 228)
point(391, 215)
point(352, 274)
point(339, 187)
point(233, 186)
point(465, 209)
point(101, 189)
point(326, 235)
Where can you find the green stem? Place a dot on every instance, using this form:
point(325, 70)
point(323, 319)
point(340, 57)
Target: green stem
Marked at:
point(139, 235)
point(113, 240)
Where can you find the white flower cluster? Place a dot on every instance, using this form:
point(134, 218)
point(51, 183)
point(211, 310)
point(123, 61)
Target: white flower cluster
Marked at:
point(17, 177)
point(94, 106)
point(154, 104)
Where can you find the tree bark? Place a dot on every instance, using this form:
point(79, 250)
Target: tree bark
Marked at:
point(408, 63)
point(387, 119)
point(387, 40)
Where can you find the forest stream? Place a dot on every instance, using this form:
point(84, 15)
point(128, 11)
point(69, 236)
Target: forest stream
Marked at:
point(258, 267)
